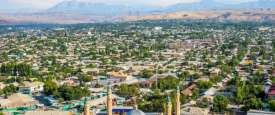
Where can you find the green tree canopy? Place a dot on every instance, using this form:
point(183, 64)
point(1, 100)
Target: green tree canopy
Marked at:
point(254, 103)
point(220, 103)
point(10, 89)
point(50, 87)
point(72, 92)
point(202, 84)
point(85, 78)
point(147, 73)
point(128, 90)
point(272, 105)
point(167, 83)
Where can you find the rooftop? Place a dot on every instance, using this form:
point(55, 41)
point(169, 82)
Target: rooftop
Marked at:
point(16, 100)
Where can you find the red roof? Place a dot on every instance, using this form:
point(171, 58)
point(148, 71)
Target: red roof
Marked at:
point(272, 90)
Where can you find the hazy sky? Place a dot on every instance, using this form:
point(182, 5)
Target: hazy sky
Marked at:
point(44, 4)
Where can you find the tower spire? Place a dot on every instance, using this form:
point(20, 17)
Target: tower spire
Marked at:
point(87, 108)
point(168, 106)
point(178, 101)
point(109, 101)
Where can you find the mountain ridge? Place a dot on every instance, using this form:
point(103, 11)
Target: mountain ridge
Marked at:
point(215, 5)
point(80, 11)
point(82, 6)
point(256, 15)
point(98, 8)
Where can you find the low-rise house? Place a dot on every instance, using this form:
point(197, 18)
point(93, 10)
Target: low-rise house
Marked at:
point(91, 71)
point(17, 100)
point(257, 112)
point(71, 81)
point(115, 77)
point(31, 87)
point(189, 90)
point(247, 62)
point(273, 72)
point(214, 71)
point(53, 112)
point(2, 85)
point(195, 111)
point(50, 100)
point(271, 92)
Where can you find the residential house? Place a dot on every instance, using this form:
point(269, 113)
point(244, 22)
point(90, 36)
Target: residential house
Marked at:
point(115, 77)
point(31, 87)
point(17, 100)
point(52, 112)
point(2, 85)
point(271, 92)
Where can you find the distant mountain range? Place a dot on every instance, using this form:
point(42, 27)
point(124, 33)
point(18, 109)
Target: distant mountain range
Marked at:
point(82, 11)
point(252, 15)
point(85, 7)
point(215, 5)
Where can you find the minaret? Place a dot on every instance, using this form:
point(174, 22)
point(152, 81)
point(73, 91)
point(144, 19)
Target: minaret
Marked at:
point(178, 101)
point(168, 107)
point(109, 101)
point(87, 109)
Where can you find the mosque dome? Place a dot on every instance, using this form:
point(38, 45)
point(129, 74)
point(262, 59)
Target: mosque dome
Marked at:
point(136, 111)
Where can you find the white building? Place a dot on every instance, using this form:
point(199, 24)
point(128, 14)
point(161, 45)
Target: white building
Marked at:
point(31, 87)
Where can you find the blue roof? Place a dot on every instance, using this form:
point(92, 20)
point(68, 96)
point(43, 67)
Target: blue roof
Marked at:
point(122, 109)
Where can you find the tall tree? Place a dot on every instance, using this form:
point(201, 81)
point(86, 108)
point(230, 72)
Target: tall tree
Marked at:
point(220, 103)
